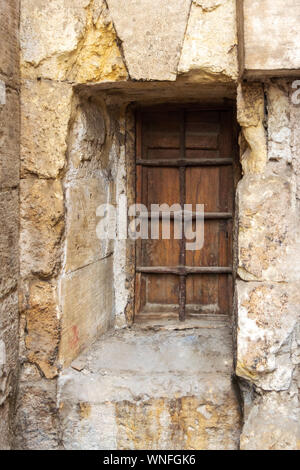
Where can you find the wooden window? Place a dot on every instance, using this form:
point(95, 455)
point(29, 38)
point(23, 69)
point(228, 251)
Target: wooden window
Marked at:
point(185, 156)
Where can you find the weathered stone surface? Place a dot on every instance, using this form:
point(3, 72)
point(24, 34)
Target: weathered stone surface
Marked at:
point(87, 307)
point(9, 139)
point(9, 47)
point(4, 427)
point(151, 35)
point(42, 224)
point(279, 126)
point(250, 115)
point(268, 242)
point(268, 316)
point(88, 135)
point(250, 110)
point(9, 235)
point(152, 390)
point(273, 423)
point(42, 327)
point(83, 197)
point(210, 44)
point(45, 116)
point(8, 365)
point(268, 346)
point(9, 213)
point(37, 426)
point(295, 142)
point(69, 40)
point(8, 346)
point(272, 38)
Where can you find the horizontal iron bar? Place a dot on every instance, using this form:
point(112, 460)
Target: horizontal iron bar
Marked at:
point(186, 162)
point(217, 215)
point(177, 215)
point(183, 270)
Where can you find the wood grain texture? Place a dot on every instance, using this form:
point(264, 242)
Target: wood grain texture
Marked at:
point(185, 156)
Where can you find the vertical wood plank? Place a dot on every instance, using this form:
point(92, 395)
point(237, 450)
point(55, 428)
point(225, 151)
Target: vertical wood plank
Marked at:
point(182, 281)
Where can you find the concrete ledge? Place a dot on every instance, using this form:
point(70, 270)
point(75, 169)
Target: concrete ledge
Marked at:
point(152, 390)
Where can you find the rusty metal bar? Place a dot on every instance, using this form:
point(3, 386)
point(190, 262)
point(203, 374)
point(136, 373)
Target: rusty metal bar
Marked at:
point(193, 215)
point(188, 162)
point(184, 270)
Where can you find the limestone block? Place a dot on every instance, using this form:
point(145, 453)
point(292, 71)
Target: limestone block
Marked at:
point(69, 40)
point(9, 47)
point(36, 418)
point(267, 317)
point(45, 115)
point(151, 35)
point(271, 36)
point(9, 330)
point(42, 224)
point(86, 304)
point(250, 114)
point(83, 246)
point(9, 139)
point(88, 134)
point(295, 142)
point(250, 110)
point(182, 422)
point(9, 236)
point(273, 424)
point(152, 390)
point(4, 427)
point(9, 315)
point(279, 126)
point(268, 241)
point(210, 43)
point(42, 327)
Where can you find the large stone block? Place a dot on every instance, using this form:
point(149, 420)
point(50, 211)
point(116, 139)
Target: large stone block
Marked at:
point(42, 327)
point(86, 304)
point(9, 138)
point(36, 420)
point(5, 436)
point(45, 116)
point(9, 236)
point(9, 32)
point(250, 114)
point(295, 142)
point(279, 121)
point(268, 241)
point(267, 320)
point(152, 390)
point(42, 224)
point(69, 40)
point(88, 136)
point(9, 329)
point(273, 423)
point(210, 44)
point(83, 246)
point(272, 37)
point(151, 35)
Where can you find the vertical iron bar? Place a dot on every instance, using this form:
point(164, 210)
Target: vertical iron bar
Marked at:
point(182, 279)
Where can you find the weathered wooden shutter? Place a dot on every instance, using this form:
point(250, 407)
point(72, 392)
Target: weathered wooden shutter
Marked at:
point(185, 156)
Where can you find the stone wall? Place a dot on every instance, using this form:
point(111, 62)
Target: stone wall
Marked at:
point(9, 213)
point(66, 169)
point(271, 38)
point(75, 287)
point(269, 266)
point(77, 78)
